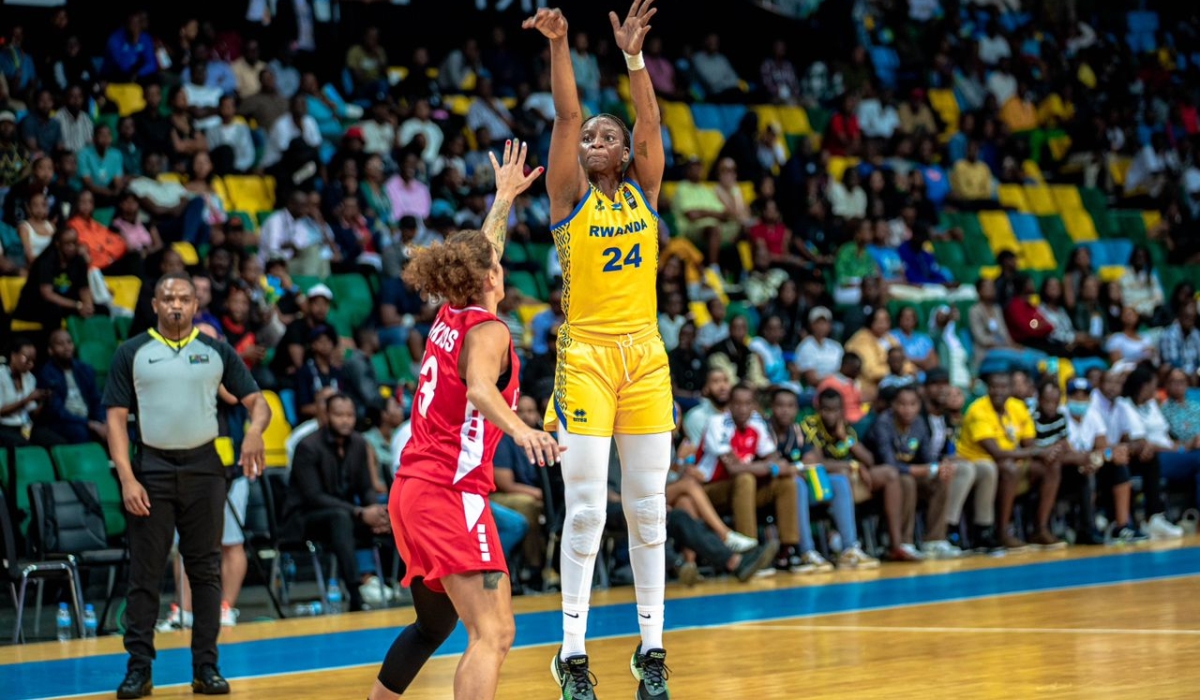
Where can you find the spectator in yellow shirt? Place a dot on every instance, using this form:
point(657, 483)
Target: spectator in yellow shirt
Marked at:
point(998, 429)
point(1019, 112)
point(972, 184)
point(701, 215)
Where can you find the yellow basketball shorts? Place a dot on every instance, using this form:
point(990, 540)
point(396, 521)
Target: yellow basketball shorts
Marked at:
point(605, 384)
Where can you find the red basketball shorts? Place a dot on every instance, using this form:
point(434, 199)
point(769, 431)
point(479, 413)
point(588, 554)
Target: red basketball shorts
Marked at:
point(440, 532)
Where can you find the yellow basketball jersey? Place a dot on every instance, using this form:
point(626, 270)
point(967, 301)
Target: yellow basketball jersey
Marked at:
point(609, 255)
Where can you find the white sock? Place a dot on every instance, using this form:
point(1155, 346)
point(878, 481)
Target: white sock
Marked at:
point(585, 478)
point(645, 460)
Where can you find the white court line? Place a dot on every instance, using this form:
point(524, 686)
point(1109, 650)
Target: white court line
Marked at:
point(748, 626)
point(690, 628)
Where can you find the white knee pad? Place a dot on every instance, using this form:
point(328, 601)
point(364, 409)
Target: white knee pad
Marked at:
point(587, 525)
point(651, 514)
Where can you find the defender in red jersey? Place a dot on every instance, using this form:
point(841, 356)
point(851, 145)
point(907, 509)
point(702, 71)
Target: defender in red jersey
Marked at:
point(466, 397)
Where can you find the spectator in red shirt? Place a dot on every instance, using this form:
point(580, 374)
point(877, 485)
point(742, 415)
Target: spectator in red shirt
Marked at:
point(1026, 323)
point(772, 234)
point(844, 137)
point(743, 472)
point(845, 382)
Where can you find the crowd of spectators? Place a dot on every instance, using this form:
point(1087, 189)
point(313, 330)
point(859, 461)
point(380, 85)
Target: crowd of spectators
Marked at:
point(827, 366)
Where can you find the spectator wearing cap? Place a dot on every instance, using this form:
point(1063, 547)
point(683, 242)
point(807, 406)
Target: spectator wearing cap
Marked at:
point(14, 156)
point(321, 370)
point(290, 355)
point(1097, 468)
point(818, 356)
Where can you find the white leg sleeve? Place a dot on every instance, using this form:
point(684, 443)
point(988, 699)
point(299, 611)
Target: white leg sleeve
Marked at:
point(585, 477)
point(645, 460)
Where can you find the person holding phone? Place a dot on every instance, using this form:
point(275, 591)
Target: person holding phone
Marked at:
point(21, 399)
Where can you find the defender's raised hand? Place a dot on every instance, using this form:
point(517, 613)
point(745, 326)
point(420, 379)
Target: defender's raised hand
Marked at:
point(511, 179)
point(550, 22)
point(630, 34)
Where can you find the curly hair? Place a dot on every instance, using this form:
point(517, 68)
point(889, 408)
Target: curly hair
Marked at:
point(453, 271)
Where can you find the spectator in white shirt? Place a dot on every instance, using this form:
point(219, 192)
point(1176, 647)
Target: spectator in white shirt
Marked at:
point(296, 124)
point(421, 123)
point(202, 98)
point(488, 111)
point(1001, 83)
point(74, 121)
point(1150, 170)
point(230, 140)
point(717, 76)
point(818, 356)
point(379, 131)
point(993, 47)
point(877, 116)
point(671, 320)
point(281, 232)
point(715, 330)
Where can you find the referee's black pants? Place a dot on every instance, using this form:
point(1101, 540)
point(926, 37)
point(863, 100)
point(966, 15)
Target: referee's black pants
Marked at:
point(187, 493)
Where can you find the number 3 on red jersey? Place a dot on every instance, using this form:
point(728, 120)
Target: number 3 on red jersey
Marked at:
point(429, 379)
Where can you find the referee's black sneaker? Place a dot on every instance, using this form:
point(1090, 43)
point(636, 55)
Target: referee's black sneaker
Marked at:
point(208, 681)
point(651, 671)
point(137, 684)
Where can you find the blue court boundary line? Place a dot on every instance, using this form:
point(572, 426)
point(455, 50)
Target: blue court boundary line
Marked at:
point(305, 653)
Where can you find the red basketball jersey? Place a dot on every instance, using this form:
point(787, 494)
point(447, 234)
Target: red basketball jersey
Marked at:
point(452, 445)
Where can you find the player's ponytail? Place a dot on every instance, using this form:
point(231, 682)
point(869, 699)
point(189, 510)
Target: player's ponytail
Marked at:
point(453, 271)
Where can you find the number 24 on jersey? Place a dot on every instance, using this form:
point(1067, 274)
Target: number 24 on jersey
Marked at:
point(617, 260)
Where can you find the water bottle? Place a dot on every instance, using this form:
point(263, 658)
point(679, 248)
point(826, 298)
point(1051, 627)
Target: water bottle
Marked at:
point(90, 624)
point(63, 622)
point(334, 596)
point(307, 609)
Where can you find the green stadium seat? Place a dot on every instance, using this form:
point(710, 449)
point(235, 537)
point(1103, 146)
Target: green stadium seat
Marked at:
point(529, 284)
point(98, 356)
point(341, 323)
point(1128, 223)
point(89, 462)
point(352, 297)
point(383, 371)
point(97, 329)
point(122, 324)
point(1055, 233)
point(400, 361)
point(305, 282)
point(33, 466)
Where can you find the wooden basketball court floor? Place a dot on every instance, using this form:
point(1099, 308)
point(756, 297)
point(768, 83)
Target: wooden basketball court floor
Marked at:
point(1081, 623)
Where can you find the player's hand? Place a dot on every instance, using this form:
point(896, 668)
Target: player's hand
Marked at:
point(550, 22)
point(511, 179)
point(137, 502)
point(630, 34)
point(540, 447)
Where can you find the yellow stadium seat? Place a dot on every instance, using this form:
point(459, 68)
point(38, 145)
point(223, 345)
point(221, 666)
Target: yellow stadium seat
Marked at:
point(1036, 255)
point(989, 272)
point(768, 114)
point(710, 143)
point(748, 193)
point(10, 292)
point(675, 114)
point(946, 105)
point(526, 312)
point(1013, 197)
point(457, 104)
point(667, 193)
point(746, 254)
point(509, 102)
point(125, 290)
point(1112, 273)
point(176, 178)
point(1079, 225)
point(277, 432)
point(623, 89)
point(794, 121)
point(1151, 219)
point(1066, 197)
point(218, 185)
point(838, 165)
point(1040, 200)
point(998, 230)
point(187, 251)
point(1118, 167)
point(250, 193)
point(396, 74)
point(128, 97)
point(1033, 172)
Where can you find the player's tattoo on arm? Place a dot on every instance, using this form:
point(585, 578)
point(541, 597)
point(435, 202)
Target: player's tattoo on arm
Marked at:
point(495, 227)
point(642, 150)
point(491, 580)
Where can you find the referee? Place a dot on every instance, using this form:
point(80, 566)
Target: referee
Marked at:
point(168, 377)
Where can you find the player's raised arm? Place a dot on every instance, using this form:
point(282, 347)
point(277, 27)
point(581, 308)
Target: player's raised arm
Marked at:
point(511, 181)
point(648, 157)
point(565, 179)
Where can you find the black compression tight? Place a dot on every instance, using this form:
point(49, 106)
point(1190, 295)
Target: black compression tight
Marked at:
point(436, 619)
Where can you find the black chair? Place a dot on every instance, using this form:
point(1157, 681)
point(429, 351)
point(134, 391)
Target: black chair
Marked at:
point(17, 573)
point(69, 520)
point(257, 532)
point(275, 487)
